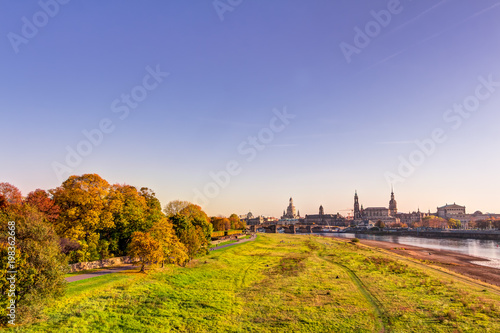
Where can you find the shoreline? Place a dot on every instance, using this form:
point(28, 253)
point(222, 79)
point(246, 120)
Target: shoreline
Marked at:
point(488, 271)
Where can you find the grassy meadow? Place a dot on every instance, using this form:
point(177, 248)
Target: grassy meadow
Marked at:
point(280, 283)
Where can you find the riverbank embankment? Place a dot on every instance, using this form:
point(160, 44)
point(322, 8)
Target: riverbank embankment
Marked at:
point(461, 263)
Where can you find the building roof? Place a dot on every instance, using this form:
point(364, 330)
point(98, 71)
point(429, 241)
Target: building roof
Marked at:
point(451, 206)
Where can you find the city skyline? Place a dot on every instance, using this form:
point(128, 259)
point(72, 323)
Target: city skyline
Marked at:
point(349, 211)
point(239, 108)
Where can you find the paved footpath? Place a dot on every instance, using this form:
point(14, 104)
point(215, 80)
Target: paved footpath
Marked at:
point(99, 273)
point(127, 267)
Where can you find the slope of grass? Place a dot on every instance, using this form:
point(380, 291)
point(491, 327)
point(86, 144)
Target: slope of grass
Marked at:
point(279, 283)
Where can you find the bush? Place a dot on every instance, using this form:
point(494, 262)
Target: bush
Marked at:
point(39, 263)
point(354, 240)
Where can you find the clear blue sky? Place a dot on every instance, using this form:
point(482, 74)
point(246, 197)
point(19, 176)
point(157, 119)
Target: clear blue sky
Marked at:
point(353, 121)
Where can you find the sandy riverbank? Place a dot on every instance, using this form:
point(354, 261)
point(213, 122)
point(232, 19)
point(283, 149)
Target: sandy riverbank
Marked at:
point(473, 267)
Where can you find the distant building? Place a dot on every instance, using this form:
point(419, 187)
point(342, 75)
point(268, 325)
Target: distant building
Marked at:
point(371, 215)
point(479, 216)
point(450, 211)
point(412, 217)
point(456, 212)
point(291, 212)
point(393, 205)
point(358, 215)
point(249, 219)
point(326, 219)
point(375, 214)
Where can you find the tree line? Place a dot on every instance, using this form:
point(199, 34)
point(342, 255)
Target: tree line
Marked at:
point(87, 219)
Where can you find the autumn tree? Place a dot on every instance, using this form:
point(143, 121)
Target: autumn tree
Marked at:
point(193, 228)
point(236, 223)
point(145, 248)
point(39, 263)
point(174, 251)
point(434, 222)
point(220, 223)
point(3, 202)
point(154, 206)
point(198, 218)
point(194, 240)
point(380, 224)
point(44, 203)
point(84, 213)
point(174, 207)
point(483, 224)
point(454, 224)
point(11, 193)
point(131, 213)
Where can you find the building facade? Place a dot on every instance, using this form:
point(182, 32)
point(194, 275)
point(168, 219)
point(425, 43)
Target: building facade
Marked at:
point(370, 215)
point(412, 217)
point(321, 218)
point(451, 211)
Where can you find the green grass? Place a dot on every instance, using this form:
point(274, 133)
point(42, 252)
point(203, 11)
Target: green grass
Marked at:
point(280, 283)
point(230, 241)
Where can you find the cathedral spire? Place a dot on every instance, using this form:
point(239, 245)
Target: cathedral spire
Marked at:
point(393, 205)
point(357, 212)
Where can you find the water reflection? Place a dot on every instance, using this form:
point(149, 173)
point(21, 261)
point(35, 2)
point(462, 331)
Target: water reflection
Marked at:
point(487, 249)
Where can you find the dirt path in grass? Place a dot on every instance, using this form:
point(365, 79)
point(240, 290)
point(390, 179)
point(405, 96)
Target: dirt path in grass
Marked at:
point(236, 243)
point(457, 262)
point(99, 273)
point(374, 302)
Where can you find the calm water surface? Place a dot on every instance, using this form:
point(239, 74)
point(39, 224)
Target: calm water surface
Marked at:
point(486, 249)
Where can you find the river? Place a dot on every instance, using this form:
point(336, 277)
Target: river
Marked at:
point(486, 249)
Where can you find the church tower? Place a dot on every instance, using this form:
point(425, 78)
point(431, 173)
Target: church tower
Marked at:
point(393, 205)
point(357, 212)
point(321, 210)
point(291, 212)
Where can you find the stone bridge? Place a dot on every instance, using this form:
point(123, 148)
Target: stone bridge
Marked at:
point(291, 228)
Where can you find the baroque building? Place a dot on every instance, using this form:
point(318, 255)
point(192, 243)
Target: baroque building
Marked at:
point(291, 212)
point(371, 215)
point(412, 217)
point(321, 218)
